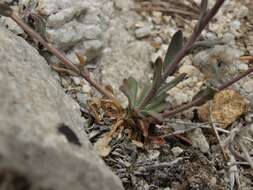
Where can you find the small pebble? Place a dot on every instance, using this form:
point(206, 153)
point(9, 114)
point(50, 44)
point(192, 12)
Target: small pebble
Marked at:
point(236, 24)
point(177, 151)
point(143, 32)
point(82, 98)
point(76, 80)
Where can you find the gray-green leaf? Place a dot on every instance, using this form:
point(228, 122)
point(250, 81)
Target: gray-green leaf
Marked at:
point(175, 46)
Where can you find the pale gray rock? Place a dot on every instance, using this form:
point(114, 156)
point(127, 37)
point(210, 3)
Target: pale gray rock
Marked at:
point(143, 31)
point(177, 151)
point(219, 64)
point(73, 26)
point(124, 56)
point(199, 140)
point(42, 140)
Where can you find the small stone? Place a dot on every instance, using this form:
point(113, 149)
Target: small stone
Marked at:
point(86, 89)
point(229, 38)
point(157, 17)
point(82, 98)
point(227, 106)
point(177, 151)
point(211, 36)
point(242, 12)
point(236, 24)
point(143, 32)
point(167, 19)
point(65, 82)
point(158, 40)
point(199, 140)
point(76, 80)
point(190, 70)
point(242, 66)
point(248, 86)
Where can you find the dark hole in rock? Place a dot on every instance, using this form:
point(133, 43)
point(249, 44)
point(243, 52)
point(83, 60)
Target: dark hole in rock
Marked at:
point(69, 134)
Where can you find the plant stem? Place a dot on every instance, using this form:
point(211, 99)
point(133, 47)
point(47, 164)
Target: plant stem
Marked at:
point(172, 67)
point(194, 37)
point(234, 80)
point(197, 101)
point(85, 74)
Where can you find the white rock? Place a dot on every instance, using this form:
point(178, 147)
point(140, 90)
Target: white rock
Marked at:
point(143, 32)
point(177, 151)
point(199, 140)
point(76, 80)
point(242, 12)
point(189, 69)
point(248, 86)
point(236, 24)
point(86, 89)
point(242, 67)
point(82, 98)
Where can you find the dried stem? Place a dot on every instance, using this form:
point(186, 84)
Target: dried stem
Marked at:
point(85, 74)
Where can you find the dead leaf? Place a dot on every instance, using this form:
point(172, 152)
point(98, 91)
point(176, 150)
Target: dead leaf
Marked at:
point(102, 145)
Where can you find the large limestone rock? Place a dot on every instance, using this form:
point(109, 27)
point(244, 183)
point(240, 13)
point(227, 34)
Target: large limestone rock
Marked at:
point(42, 141)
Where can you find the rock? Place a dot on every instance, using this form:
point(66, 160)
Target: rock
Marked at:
point(236, 24)
point(74, 26)
point(227, 106)
point(177, 151)
point(82, 99)
point(242, 12)
point(124, 56)
point(189, 70)
point(157, 17)
point(123, 5)
point(143, 32)
point(199, 140)
point(76, 80)
point(218, 64)
point(248, 86)
point(42, 141)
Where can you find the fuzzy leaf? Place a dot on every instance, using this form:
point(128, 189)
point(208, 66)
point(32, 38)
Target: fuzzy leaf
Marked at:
point(143, 94)
point(152, 114)
point(205, 95)
point(158, 69)
point(175, 45)
point(171, 84)
point(130, 89)
point(156, 101)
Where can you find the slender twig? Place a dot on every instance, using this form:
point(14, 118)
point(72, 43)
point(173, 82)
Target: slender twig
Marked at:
point(197, 101)
point(5, 10)
point(194, 37)
point(234, 80)
point(172, 67)
point(215, 131)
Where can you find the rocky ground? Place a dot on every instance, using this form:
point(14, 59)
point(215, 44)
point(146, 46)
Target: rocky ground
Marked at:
point(122, 38)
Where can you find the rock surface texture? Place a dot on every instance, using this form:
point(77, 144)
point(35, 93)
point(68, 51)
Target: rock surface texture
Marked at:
point(42, 141)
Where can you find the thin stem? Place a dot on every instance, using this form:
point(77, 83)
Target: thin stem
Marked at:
point(234, 80)
point(172, 67)
point(85, 74)
point(194, 37)
point(197, 101)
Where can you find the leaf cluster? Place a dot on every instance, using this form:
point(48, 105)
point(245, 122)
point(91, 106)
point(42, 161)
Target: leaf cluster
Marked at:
point(156, 104)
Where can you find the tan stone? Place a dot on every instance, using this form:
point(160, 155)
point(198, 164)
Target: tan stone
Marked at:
point(227, 106)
